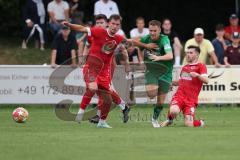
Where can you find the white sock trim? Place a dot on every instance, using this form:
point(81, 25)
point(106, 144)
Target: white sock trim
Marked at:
point(81, 111)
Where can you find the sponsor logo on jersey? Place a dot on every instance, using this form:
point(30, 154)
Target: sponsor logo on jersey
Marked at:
point(185, 76)
point(109, 47)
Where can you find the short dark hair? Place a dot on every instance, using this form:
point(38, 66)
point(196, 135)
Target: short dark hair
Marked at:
point(140, 19)
point(115, 17)
point(100, 16)
point(166, 19)
point(155, 23)
point(219, 27)
point(196, 48)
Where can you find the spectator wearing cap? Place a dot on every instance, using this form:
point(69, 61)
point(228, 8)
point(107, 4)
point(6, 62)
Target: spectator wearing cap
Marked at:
point(233, 27)
point(219, 43)
point(232, 54)
point(106, 7)
point(205, 45)
point(58, 11)
point(140, 31)
point(174, 40)
point(64, 48)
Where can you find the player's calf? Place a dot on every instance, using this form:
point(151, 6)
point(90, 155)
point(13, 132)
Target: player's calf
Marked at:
point(172, 114)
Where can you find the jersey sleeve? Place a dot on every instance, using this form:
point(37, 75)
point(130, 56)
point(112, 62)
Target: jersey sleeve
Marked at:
point(95, 31)
point(210, 47)
point(74, 45)
point(203, 70)
point(50, 7)
point(227, 30)
point(66, 6)
point(55, 42)
point(120, 39)
point(144, 40)
point(166, 44)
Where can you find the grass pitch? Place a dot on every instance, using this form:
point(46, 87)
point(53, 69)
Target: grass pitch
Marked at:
point(46, 137)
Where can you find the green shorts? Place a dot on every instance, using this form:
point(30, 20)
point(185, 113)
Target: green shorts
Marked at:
point(160, 76)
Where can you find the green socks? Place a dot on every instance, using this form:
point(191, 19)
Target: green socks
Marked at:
point(156, 111)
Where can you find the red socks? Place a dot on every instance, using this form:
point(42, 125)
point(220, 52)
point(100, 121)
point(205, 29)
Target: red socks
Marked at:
point(86, 99)
point(196, 123)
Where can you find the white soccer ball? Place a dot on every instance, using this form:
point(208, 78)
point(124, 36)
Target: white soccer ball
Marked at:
point(20, 115)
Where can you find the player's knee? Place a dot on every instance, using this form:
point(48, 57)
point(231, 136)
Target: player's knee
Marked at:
point(93, 86)
point(174, 110)
point(151, 95)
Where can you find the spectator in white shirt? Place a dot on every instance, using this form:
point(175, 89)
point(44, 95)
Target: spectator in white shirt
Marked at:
point(106, 7)
point(58, 11)
point(140, 31)
point(121, 32)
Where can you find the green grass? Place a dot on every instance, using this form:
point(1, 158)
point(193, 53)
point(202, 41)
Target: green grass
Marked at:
point(12, 53)
point(46, 137)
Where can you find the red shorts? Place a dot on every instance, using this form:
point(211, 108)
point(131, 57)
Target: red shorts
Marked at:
point(187, 107)
point(101, 76)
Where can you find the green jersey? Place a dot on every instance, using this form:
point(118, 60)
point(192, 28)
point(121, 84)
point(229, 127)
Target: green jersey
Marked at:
point(164, 47)
point(161, 69)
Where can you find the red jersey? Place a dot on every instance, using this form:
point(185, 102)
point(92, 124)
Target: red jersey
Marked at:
point(231, 29)
point(103, 44)
point(190, 87)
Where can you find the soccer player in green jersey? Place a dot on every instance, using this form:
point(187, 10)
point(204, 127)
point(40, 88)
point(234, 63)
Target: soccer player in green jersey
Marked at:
point(159, 66)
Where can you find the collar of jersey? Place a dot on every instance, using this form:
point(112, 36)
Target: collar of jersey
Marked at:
point(109, 34)
point(193, 64)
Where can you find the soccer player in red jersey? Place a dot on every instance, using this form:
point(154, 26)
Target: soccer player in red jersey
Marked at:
point(100, 21)
point(97, 70)
point(192, 77)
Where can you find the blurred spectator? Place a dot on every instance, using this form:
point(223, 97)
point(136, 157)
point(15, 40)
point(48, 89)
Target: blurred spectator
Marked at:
point(232, 54)
point(76, 12)
point(58, 11)
point(64, 48)
point(205, 45)
point(106, 7)
point(174, 40)
point(219, 43)
point(121, 32)
point(140, 31)
point(34, 17)
point(233, 27)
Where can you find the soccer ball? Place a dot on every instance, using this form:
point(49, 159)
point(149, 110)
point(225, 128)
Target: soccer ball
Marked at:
point(20, 115)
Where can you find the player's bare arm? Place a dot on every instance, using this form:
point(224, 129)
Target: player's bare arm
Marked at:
point(202, 78)
point(76, 27)
point(165, 57)
point(227, 64)
point(142, 45)
point(215, 60)
point(73, 56)
point(53, 58)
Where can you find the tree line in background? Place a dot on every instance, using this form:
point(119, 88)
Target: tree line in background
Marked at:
point(186, 15)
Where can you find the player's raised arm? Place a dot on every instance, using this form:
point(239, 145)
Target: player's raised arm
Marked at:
point(76, 27)
point(137, 43)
